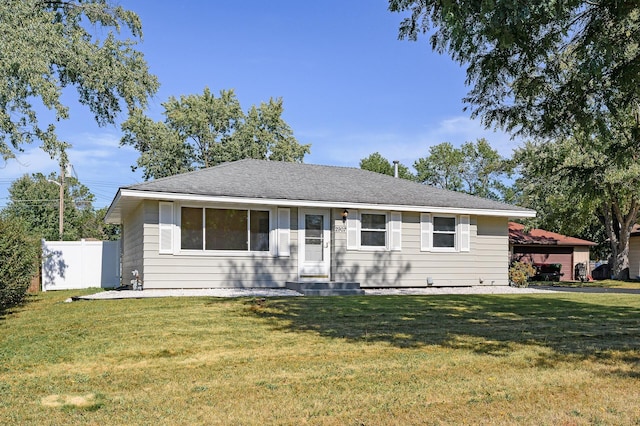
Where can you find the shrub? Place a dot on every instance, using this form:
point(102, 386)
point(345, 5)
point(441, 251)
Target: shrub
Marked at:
point(520, 272)
point(18, 261)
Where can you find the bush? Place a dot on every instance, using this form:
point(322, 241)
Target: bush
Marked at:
point(520, 272)
point(18, 261)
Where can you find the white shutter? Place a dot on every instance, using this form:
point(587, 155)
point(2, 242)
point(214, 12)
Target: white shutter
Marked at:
point(353, 234)
point(426, 230)
point(284, 232)
point(165, 227)
point(396, 231)
point(464, 233)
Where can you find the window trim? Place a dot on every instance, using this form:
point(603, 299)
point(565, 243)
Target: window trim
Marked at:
point(363, 247)
point(455, 233)
point(393, 231)
point(271, 252)
point(462, 233)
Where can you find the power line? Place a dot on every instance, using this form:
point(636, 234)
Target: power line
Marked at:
point(34, 201)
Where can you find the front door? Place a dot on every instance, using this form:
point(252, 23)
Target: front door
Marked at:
point(314, 245)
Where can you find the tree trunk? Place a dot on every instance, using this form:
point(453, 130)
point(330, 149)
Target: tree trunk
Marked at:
point(620, 269)
point(618, 227)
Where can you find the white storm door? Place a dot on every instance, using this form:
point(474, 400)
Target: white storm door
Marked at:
point(314, 239)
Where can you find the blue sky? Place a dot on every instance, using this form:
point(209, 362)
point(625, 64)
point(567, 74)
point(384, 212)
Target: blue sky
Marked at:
point(349, 86)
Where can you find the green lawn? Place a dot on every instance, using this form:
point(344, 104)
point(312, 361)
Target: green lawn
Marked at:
point(571, 359)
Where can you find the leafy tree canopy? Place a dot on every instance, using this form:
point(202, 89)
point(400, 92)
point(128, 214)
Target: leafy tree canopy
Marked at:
point(204, 130)
point(35, 200)
point(474, 168)
point(18, 261)
point(442, 168)
point(566, 73)
point(47, 46)
point(538, 67)
point(377, 163)
point(577, 179)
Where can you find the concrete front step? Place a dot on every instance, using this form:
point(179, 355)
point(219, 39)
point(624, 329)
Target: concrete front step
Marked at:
point(332, 292)
point(326, 288)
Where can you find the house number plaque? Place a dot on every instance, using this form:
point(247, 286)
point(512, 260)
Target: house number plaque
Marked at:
point(339, 229)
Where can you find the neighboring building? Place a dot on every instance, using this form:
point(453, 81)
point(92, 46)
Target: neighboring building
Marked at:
point(540, 246)
point(634, 253)
point(254, 223)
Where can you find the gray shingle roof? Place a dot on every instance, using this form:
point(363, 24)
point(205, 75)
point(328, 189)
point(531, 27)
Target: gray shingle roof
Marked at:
point(274, 180)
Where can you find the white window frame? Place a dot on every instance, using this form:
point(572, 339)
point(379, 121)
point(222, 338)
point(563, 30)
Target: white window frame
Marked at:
point(455, 233)
point(386, 231)
point(273, 247)
point(462, 240)
point(392, 231)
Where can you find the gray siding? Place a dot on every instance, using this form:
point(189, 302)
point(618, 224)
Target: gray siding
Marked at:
point(634, 257)
point(132, 244)
point(203, 271)
point(485, 264)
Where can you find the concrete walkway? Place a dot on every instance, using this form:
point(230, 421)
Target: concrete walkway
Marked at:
point(587, 289)
point(282, 292)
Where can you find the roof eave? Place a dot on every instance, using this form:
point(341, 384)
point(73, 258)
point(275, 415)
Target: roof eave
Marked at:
point(113, 213)
point(170, 196)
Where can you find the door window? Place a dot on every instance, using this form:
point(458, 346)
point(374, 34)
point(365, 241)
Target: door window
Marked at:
point(314, 237)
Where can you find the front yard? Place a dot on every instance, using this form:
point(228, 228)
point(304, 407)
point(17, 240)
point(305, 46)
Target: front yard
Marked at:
point(368, 360)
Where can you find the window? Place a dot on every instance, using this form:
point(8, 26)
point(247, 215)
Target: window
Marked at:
point(224, 229)
point(373, 230)
point(191, 226)
point(444, 232)
point(259, 231)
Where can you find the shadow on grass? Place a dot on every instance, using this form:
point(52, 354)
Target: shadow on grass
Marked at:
point(492, 325)
point(19, 306)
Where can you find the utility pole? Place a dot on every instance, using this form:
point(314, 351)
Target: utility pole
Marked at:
point(61, 217)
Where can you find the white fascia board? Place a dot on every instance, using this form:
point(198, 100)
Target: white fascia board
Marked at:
point(168, 196)
point(113, 206)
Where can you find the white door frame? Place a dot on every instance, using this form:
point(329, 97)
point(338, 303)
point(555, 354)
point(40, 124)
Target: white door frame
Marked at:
point(314, 270)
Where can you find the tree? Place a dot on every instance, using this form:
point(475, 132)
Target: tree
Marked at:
point(474, 168)
point(559, 206)
point(18, 261)
point(98, 227)
point(35, 200)
point(485, 171)
point(162, 150)
point(587, 178)
point(47, 46)
point(203, 131)
point(442, 167)
point(538, 67)
point(566, 72)
point(377, 163)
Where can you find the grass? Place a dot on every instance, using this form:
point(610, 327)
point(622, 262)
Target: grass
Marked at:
point(571, 359)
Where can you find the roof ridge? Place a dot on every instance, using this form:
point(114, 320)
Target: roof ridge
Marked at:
point(226, 163)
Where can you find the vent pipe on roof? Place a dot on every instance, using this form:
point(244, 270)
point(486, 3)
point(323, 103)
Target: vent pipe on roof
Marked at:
point(395, 168)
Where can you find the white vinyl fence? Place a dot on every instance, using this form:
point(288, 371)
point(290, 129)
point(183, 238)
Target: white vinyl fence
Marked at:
point(70, 265)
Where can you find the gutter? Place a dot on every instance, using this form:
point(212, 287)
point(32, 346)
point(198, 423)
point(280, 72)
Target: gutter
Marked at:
point(167, 196)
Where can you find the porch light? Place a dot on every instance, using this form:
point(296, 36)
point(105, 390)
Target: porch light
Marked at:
point(345, 214)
